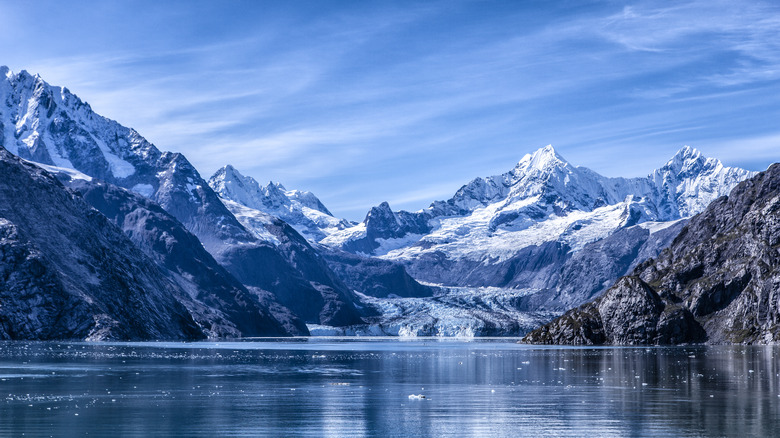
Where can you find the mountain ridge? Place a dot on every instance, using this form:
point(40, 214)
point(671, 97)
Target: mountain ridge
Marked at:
point(716, 283)
point(50, 125)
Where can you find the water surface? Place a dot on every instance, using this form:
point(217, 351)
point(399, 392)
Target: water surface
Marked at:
point(361, 387)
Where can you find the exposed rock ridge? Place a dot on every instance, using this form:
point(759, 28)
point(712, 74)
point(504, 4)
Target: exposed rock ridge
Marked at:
point(718, 282)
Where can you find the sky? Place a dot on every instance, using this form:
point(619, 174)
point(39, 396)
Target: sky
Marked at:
point(368, 101)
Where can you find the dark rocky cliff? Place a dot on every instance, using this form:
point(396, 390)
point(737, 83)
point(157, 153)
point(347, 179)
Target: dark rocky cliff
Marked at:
point(719, 281)
point(66, 272)
point(219, 303)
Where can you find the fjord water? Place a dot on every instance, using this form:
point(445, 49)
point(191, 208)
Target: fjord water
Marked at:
point(361, 387)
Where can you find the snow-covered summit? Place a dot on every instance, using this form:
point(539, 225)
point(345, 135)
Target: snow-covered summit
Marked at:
point(50, 125)
point(301, 209)
point(543, 199)
point(689, 181)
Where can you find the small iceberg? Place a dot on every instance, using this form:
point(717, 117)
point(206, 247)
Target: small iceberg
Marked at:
point(417, 397)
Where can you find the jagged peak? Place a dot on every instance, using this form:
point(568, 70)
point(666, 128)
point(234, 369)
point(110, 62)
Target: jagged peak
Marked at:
point(382, 210)
point(541, 159)
point(227, 171)
point(687, 159)
point(687, 153)
point(277, 186)
point(5, 71)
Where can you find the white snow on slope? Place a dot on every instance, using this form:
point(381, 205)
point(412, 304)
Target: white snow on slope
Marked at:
point(544, 199)
point(253, 220)
point(35, 118)
point(301, 209)
point(73, 174)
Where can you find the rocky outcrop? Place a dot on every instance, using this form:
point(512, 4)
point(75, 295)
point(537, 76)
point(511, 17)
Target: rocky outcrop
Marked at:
point(718, 282)
point(587, 273)
point(66, 272)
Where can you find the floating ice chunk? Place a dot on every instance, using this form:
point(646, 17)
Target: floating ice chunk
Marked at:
point(416, 397)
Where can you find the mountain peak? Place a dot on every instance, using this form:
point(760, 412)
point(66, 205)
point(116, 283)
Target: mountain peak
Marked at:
point(687, 153)
point(227, 172)
point(277, 186)
point(542, 159)
point(5, 71)
point(229, 168)
point(688, 159)
point(381, 218)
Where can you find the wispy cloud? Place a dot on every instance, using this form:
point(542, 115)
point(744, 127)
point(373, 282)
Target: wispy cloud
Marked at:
point(361, 102)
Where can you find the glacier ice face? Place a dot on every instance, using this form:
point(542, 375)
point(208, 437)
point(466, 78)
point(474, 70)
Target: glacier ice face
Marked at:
point(455, 312)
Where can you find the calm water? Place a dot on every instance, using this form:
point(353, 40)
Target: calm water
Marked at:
point(359, 387)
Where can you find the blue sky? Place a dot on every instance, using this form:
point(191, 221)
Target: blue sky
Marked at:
point(370, 101)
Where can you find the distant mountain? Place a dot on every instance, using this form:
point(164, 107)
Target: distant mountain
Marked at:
point(525, 229)
point(49, 125)
point(258, 207)
point(552, 234)
point(544, 198)
point(301, 209)
point(717, 282)
point(66, 272)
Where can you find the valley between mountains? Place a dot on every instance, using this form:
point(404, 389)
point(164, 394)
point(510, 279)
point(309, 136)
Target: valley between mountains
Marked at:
point(103, 236)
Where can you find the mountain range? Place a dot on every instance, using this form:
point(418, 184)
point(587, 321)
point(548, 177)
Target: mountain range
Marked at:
point(235, 258)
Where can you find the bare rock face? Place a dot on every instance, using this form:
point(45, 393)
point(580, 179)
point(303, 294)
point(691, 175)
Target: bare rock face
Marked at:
point(66, 272)
point(219, 303)
point(718, 282)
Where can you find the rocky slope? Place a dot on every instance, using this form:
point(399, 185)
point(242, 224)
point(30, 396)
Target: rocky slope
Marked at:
point(50, 125)
point(718, 282)
point(66, 272)
point(219, 303)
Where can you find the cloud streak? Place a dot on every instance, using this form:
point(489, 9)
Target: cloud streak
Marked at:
point(362, 102)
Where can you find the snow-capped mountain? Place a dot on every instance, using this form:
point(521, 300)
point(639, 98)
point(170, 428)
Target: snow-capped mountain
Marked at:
point(301, 209)
point(50, 125)
point(543, 199)
point(259, 208)
point(546, 236)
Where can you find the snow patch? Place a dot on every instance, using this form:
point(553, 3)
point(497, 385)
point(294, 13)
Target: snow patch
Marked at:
point(145, 190)
point(73, 174)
